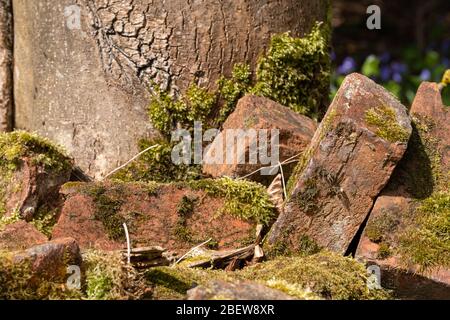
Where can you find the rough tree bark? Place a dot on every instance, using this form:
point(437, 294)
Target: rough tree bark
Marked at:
point(6, 60)
point(88, 88)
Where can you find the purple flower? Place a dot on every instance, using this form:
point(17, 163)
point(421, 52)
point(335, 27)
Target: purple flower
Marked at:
point(347, 66)
point(385, 73)
point(398, 67)
point(425, 75)
point(397, 77)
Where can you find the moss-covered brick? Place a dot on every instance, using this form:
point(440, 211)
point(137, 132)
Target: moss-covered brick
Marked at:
point(384, 119)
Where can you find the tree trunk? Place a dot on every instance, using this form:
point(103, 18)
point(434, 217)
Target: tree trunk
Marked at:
point(88, 88)
point(6, 60)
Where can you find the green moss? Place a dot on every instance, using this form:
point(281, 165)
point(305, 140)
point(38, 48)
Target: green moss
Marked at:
point(157, 165)
point(427, 241)
point(384, 251)
point(18, 144)
point(45, 219)
point(243, 199)
point(107, 206)
point(385, 120)
point(307, 198)
point(378, 227)
point(185, 209)
point(186, 206)
point(213, 244)
point(14, 146)
point(296, 71)
point(108, 278)
point(17, 282)
point(167, 112)
point(327, 275)
point(320, 276)
point(6, 220)
point(307, 246)
point(279, 249)
point(173, 283)
point(231, 90)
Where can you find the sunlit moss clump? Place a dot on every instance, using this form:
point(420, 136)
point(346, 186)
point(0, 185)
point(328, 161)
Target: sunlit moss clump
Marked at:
point(385, 120)
point(231, 90)
point(427, 243)
point(45, 219)
point(243, 199)
point(321, 276)
point(327, 275)
point(167, 112)
point(296, 71)
point(17, 145)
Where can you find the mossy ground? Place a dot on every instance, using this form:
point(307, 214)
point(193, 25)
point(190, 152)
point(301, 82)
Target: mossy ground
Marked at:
point(107, 277)
point(323, 275)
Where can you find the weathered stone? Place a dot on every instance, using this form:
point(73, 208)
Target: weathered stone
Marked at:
point(20, 235)
point(253, 112)
point(31, 172)
point(33, 185)
point(238, 290)
point(421, 174)
point(6, 65)
point(173, 217)
point(351, 157)
point(49, 261)
point(428, 105)
point(86, 85)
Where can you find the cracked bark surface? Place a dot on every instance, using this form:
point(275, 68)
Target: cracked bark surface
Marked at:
point(89, 89)
point(176, 42)
point(6, 60)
